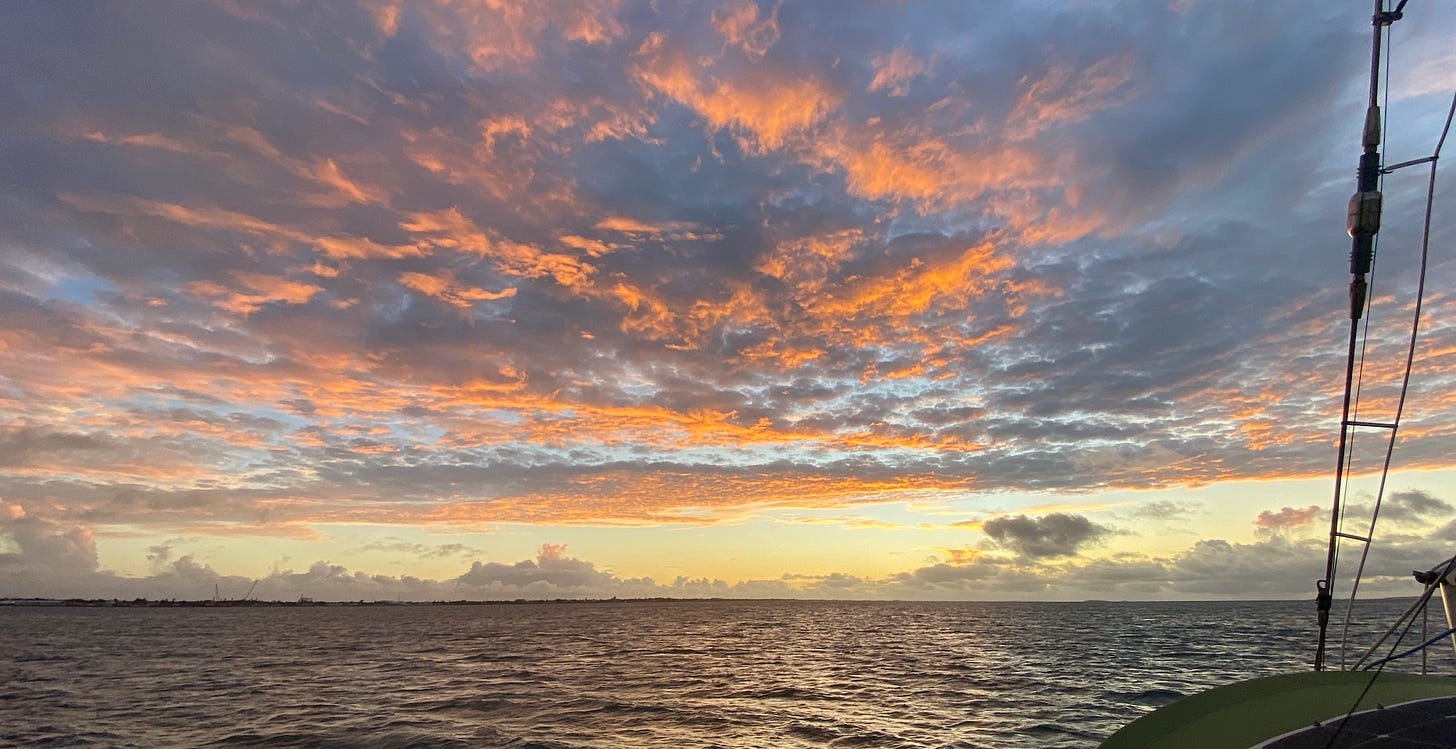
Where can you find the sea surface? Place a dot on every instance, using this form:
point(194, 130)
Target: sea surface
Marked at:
point(634, 673)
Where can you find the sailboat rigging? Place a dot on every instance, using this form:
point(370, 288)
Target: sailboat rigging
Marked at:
point(1331, 707)
point(1363, 224)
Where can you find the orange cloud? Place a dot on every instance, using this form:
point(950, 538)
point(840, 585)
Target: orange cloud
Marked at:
point(808, 260)
point(592, 247)
point(209, 217)
point(916, 166)
point(589, 22)
point(739, 24)
point(158, 141)
point(451, 229)
point(894, 71)
point(912, 289)
point(628, 225)
point(492, 34)
point(1033, 191)
point(496, 128)
point(326, 184)
point(204, 217)
point(765, 108)
point(667, 497)
point(1067, 93)
point(328, 174)
point(278, 287)
point(646, 313)
point(852, 522)
point(961, 557)
point(386, 15)
point(345, 248)
point(445, 288)
point(266, 289)
point(497, 34)
point(1287, 517)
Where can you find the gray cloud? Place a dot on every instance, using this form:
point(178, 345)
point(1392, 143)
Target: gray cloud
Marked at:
point(159, 556)
point(1408, 507)
point(1054, 535)
point(21, 446)
point(52, 559)
point(425, 551)
point(1164, 510)
point(44, 550)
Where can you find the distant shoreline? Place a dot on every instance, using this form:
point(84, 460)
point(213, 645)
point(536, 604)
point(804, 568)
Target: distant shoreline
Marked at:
point(310, 603)
point(252, 603)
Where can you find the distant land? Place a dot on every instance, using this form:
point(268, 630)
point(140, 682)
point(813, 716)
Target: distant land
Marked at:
point(209, 603)
point(309, 602)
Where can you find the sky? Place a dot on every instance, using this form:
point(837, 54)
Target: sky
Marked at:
point(474, 299)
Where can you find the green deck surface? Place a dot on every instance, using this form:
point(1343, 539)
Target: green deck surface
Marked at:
point(1250, 712)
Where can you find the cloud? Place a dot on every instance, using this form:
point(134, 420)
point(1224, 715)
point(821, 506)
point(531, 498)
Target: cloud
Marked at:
point(493, 37)
point(1165, 510)
point(51, 559)
point(1066, 93)
point(1286, 519)
point(552, 571)
point(395, 545)
point(740, 24)
point(1055, 535)
point(1274, 566)
point(1406, 507)
point(159, 555)
point(27, 445)
point(767, 108)
point(626, 263)
point(448, 290)
point(262, 289)
point(45, 548)
point(894, 71)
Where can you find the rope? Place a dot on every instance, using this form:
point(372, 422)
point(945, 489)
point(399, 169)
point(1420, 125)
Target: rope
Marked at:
point(1409, 360)
point(1425, 598)
point(1418, 606)
point(1411, 350)
point(1414, 650)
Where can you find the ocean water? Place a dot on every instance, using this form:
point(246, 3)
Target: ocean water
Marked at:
point(632, 674)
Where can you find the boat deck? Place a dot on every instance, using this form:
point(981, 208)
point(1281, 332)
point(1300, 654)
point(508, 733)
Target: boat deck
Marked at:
point(1295, 711)
point(1423, 723)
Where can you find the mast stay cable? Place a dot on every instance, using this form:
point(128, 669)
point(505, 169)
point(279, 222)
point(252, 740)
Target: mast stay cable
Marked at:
point(1362, 225)
point(1369, 535)
point(1410, 355)
point(1363, 222)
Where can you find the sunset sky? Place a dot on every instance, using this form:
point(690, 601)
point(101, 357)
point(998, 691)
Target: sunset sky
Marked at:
point(483, 299)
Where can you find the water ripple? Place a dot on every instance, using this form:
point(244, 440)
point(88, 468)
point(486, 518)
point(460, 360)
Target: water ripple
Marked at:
point(712, 674)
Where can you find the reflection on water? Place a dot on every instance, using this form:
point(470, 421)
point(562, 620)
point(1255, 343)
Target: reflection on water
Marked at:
point(630, 674)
